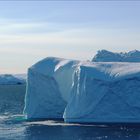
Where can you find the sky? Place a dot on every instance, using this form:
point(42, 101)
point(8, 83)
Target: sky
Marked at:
point(33, 30)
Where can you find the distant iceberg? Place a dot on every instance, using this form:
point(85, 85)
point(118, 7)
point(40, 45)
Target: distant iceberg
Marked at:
point(22, 76)
point(9, 79)
point(107, 56)
point(83, 91)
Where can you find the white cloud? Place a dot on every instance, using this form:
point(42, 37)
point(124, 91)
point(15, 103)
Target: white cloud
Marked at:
point(21, 28)
point(95, 38)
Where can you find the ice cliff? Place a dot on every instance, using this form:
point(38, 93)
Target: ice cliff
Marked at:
point(107, 56)
point(83, 91)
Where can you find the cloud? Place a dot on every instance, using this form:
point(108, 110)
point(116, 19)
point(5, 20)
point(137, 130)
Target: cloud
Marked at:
point(84, 37)
point(45, 39)
point(22, 28)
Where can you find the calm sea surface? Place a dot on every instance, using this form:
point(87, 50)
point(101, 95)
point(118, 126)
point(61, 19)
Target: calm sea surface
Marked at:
point(13, 125)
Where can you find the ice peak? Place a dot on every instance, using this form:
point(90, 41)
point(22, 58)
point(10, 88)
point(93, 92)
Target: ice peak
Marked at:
point(108, 56)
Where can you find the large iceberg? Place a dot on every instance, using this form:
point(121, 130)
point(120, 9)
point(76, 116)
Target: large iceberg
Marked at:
point(83, 91)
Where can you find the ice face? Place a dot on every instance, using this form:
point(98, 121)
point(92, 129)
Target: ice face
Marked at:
point(83, 91)
point(114, 99)
point(43, 99)
point(49, 88)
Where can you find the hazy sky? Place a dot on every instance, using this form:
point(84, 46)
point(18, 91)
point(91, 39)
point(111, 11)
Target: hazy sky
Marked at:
point(30, 31)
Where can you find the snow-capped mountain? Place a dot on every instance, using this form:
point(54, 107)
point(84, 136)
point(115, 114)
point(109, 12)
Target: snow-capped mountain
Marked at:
point(107, 56)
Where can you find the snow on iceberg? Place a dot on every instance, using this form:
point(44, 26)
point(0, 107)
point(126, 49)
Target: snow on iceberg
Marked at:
point(107, 56)
point(83, 91)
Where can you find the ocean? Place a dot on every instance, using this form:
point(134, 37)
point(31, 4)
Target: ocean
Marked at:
point(14, 126)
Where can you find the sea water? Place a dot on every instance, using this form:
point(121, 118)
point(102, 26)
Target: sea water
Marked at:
point(14, 126)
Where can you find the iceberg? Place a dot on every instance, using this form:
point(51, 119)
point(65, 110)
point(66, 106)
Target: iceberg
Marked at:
point(49, 87)
point(22, 76)
point(83, 91)
point(107, 56)
point(9, 79)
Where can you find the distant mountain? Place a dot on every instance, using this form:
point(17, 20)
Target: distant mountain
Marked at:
point(107, 56)
point(8, 79)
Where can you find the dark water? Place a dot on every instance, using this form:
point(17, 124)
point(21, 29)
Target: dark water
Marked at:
point(13, 125)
